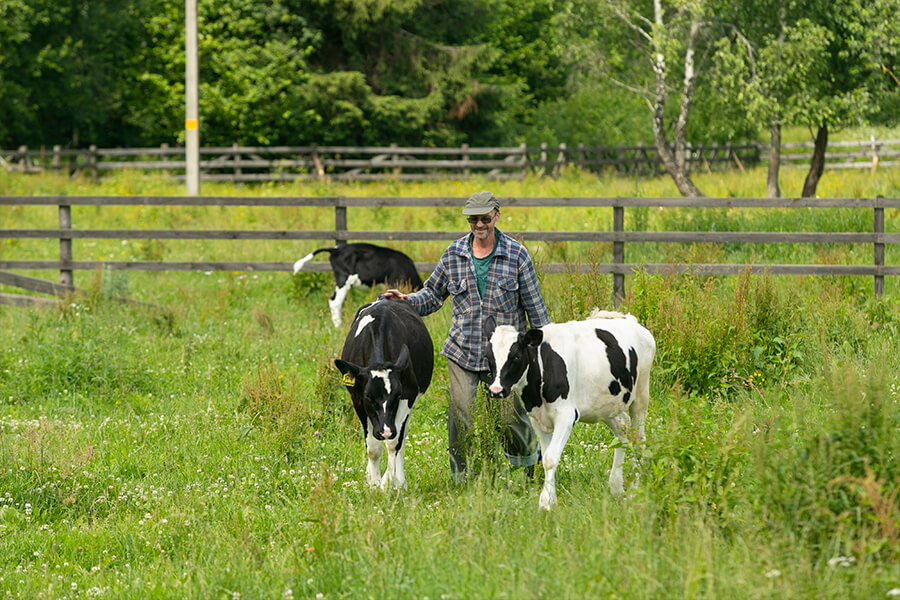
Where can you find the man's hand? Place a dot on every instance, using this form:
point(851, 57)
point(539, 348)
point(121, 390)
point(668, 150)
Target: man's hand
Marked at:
point(394, 295)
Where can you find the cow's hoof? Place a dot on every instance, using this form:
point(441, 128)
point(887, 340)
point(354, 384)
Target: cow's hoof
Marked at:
point(373, 479)
point(547, 500)
point(392, 485)
point(616, 487)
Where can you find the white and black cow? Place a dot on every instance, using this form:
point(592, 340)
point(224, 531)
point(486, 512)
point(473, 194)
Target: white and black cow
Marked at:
point(593, 370)
point(364, 265)
point(387, 362)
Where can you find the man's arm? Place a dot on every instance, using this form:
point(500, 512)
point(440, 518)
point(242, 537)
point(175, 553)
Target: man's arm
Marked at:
point(530, 294)
point(432, 295)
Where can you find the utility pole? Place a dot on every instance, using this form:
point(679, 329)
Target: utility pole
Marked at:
point(191, 101)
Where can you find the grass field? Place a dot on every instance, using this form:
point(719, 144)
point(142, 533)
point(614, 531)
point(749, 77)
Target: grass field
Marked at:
point(204, 447)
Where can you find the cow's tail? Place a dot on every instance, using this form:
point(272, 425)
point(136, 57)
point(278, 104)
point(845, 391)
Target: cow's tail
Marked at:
point(299, 264)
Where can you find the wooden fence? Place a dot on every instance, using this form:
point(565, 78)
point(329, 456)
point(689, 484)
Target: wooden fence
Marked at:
point(249, 163)
point(66, 264)
point(345, 163)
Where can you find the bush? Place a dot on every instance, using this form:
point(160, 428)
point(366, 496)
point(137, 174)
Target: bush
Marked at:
point(716, 334)
point(830, 471)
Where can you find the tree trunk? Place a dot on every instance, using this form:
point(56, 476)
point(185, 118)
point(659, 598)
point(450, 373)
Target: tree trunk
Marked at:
point(772, 188)
point(675, 162)
point(817, 165)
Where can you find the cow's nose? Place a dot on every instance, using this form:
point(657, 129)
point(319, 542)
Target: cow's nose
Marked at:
point(387, 433)
point(496, 389)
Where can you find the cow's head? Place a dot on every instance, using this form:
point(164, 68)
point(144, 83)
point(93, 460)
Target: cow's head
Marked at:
point(509, 354)
point(380, 387)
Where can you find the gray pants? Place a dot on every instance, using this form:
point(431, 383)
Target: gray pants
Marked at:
point(519, 442)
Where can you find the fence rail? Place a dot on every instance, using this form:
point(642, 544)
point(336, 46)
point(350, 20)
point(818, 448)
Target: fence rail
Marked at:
point(286, 163)
point(618, 236)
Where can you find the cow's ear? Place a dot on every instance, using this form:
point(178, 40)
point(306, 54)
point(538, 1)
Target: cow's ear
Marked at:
point(489, 325)
point(350, 371)
point(347, 368)
point(402, 359)
point(534, 337)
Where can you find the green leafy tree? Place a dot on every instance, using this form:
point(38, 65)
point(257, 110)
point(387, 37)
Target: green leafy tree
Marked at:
point(840, 98)
point(657, 51)
point(811, 63)
point(774, 76)
point(876, 40)
point(66, 69)
point(314, 72)
point(15, 19)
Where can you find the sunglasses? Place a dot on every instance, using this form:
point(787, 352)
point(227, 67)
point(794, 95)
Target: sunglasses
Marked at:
point(485, 219)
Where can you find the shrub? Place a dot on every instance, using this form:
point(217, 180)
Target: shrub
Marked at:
point(713, 334)
point(275, 405)
point(829, 468)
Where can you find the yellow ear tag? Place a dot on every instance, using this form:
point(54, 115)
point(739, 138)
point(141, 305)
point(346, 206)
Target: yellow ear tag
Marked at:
point(348, 379)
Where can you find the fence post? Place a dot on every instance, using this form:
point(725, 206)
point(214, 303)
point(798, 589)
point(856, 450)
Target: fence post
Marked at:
point(523, 148)
point(395, 158)
point(54, 162)
point(560, 159)
point(236, 158)
point(317, 163)
point(92, 154)
point(340, 219)
point(543, 168)
point(164, 157)
point(465, 159)
point(879, 248)
point(874, 147)
point(702, 157)
point(618, 255)
point(65, 247)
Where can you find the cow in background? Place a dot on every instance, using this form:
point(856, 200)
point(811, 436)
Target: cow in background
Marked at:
point(364, 265)
point(596, 370)
point(387, 362)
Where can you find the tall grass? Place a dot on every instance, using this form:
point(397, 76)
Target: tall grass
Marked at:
point(203, 446)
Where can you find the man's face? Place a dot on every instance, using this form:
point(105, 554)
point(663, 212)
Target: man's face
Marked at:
point(483, 225)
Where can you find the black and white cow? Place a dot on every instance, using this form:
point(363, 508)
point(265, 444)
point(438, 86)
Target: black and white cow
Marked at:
point(364, 265)
point(387, 362)
point(593, 370)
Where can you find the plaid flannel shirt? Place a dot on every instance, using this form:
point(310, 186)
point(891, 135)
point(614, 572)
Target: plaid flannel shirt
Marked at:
point(511, 294)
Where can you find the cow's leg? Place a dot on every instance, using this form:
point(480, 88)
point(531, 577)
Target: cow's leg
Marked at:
point(336, 302)
point(619, 426)
point(395, 473)
point(638, 411)
point(638, 407)
point(563, 422)
point(543, 437)
point(373, 451)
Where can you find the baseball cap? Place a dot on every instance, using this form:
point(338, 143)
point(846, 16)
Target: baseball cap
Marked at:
point(481, 203)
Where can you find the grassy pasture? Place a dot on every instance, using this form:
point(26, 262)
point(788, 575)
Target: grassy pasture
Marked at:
point(206, 449)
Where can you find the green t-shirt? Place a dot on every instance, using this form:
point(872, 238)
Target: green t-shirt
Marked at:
point(481, 268)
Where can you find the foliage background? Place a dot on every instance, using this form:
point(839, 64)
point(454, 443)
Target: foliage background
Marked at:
point(432, 72)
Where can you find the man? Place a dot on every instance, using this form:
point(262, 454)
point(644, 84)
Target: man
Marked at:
point(485, 272)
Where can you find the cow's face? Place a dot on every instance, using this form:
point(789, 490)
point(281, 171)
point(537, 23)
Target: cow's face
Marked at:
point(381, 390)
point(509, 354)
